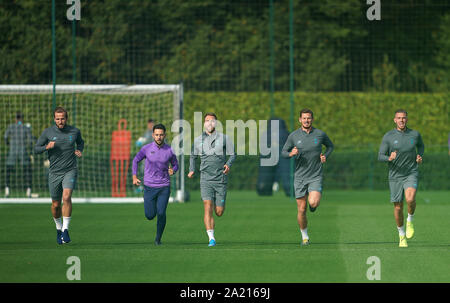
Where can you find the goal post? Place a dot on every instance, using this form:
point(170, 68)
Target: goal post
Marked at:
point(99, 111)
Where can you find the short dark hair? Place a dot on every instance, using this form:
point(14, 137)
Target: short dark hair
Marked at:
point(401, 111)
point(151, 121)
point(60, 109)
point(306, 111)
point(159, 126)
point(19, 116)
point(210, 114)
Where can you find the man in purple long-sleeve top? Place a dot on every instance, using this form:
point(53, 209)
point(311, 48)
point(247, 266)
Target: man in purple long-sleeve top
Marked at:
point(158, 156)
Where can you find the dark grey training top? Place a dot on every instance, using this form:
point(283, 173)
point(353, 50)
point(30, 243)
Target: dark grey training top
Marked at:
point(213, 151)
point(405, 143)
point(307, 162)
point(62, 155)
point(20, 141)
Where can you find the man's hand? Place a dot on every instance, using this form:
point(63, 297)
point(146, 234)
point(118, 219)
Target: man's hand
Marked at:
point(78, 153)
point(136, 181)
point(419, 159)
point(226, 169)
point(50, 145)
point(392, 156)
point(191, 174)
point(170, 171)
point(323, 159)
point(293, 152)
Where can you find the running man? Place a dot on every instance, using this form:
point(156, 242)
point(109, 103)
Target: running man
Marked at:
point(305, 144)
point(158, 156)
point(59, 141)
point(213, 148)
point(20, 140)
point(403, 149)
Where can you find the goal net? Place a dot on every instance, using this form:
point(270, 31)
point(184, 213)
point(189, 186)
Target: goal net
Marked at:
point(110, 117)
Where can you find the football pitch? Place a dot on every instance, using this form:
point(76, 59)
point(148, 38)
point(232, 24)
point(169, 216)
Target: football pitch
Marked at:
point(258, 240)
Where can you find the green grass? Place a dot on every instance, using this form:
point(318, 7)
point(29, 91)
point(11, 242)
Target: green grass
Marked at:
point(258, 241)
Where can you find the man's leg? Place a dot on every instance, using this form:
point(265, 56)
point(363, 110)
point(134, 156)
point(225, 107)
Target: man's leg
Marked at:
point(9, 171)
point(67, 203)
point(56, 213)
point(161, 206)
point(315, 193)
point(66, 213)
point(56, 192)
point(265, 180)
point(219, 210)
point(410, 196)
point(208, 197)
point(150, 196)
point(68, 184)
point(221, 196)
point(301, 218)
point(28, 178)
point(208, 219)
point(314, 200)
point(398, 214)
point(396, 190)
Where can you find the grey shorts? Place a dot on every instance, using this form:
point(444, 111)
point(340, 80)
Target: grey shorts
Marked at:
point(398, 186)
point(216, 192)
point(303, 187)
point(57, 182)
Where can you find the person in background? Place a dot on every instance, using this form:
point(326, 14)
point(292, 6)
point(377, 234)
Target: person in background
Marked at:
point(20, 140)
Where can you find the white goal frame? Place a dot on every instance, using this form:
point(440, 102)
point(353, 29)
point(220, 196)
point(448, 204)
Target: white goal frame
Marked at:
point(176, 89)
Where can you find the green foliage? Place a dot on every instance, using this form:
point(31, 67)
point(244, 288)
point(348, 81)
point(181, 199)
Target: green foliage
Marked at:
point(438, 77)
point(385, 76)
point(350, 119)
point(224, 45)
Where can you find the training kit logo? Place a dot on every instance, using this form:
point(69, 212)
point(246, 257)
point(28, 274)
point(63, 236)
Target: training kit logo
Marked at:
point(182, 143)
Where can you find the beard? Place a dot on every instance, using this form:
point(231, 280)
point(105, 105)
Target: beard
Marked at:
point(210, 127)
point(307, 126)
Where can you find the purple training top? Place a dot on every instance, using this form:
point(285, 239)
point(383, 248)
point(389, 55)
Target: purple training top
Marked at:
point(156, 164)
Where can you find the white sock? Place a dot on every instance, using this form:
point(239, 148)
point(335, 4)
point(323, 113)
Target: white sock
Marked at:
point(58, 223)
point(304, 233)
point(401, 230)
point(66, 221)
point(210, 233)
point(410, 218)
